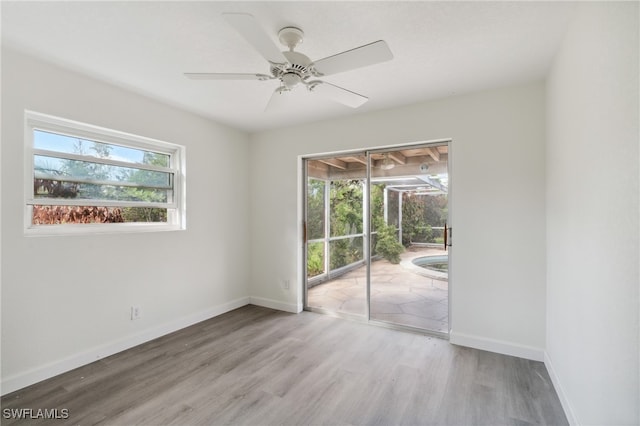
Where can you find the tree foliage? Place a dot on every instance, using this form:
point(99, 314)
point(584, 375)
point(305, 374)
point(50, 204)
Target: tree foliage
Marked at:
point(63, 188)
point(420, 214)
point(315, 209)
point(315, 259)
point(53, 215)
point(146, 214)
point(413, 220)
point(346, 197)
point(345, 218)
point(387, 244)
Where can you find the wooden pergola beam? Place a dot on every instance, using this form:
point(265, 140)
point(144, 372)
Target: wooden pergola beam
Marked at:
point(359, 159)
point(334, 162)
point(434, 153)
point(398, 157)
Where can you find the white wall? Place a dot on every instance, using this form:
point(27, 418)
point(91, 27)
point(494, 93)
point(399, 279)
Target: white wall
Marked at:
point(66, 300)
point(70, 304)
point(497, 203)
point(593, 215)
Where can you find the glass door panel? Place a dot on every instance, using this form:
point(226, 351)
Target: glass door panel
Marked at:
point(336, 252)
point(408, 278)
point(315, 210)
point(375, 236)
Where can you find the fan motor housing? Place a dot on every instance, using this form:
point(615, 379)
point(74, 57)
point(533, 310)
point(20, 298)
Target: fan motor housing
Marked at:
point(297, 61)
point(293, 72)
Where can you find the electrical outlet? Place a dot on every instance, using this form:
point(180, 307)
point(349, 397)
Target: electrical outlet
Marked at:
point(135, 313)
point(285, 284)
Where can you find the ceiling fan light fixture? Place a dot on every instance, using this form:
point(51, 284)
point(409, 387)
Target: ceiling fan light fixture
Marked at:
point(290, 79)
point(387, 163)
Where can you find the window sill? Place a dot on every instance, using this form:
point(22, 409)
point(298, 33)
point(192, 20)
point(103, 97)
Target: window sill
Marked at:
point(101, 228)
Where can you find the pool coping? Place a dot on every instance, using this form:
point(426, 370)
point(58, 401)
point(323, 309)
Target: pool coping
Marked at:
point(408, 264)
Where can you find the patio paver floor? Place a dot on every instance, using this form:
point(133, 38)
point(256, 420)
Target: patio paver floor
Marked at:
point(399, 294)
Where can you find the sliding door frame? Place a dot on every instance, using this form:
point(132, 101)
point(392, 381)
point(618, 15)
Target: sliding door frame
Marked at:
point(367, 232)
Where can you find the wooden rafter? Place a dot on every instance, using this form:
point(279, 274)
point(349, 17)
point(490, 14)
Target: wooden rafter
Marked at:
point(434, 153)
point(398, 157)
point(334, 162)
point(358, 159)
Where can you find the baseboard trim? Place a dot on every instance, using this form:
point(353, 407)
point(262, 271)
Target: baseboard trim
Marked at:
point(275, 304)
point(22, 380)
point(498, 346)
point(562, 396)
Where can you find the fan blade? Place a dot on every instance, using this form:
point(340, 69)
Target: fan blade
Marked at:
point(225, 76)
point(338, 94)
point(362, 56)
point(277, 100)
point(249, 28)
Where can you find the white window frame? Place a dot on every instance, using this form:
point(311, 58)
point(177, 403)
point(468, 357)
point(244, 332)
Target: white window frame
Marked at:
point(175, 210)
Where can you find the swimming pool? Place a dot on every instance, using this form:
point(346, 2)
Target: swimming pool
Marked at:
point(437, 263)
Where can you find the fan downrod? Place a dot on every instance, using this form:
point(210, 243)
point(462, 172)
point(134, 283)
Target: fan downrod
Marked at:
point(291, 37)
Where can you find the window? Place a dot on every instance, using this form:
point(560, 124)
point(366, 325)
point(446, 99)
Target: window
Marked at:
point(87, 179)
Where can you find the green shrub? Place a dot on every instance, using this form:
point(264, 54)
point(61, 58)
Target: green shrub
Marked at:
point(315, 259)
point(387, 244)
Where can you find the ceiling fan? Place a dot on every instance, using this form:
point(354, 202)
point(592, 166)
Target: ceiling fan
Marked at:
point(293, 69)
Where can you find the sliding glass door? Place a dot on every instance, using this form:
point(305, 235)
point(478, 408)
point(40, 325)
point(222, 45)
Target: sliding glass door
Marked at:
point(375, 236)
point(336, 245)
point(408, 211)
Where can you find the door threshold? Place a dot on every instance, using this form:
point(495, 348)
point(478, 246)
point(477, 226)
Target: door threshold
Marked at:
point(378, 323)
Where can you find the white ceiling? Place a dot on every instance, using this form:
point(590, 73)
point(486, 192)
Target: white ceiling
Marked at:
point(440, 49)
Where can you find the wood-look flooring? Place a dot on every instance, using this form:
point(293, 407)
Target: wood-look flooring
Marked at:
point(257, 366)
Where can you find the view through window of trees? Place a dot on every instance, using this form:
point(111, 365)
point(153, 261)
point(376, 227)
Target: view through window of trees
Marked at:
point(420, 215)
point(82, 177)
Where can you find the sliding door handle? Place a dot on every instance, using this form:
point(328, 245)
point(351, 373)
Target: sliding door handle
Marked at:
point(448, 233)
point(445, 236)
point(304, 232)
